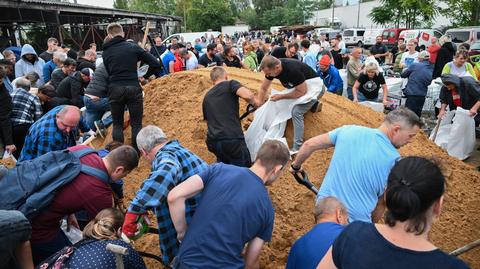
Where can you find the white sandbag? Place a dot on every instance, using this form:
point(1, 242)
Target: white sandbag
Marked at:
point(376, 106)
point(74, 234)
point(443, 132)
point(461, 142)
point(271, 118)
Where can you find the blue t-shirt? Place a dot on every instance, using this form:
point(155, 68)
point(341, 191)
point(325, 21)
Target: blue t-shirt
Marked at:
point(95, 255)
point(359, 169)
point(234, 209)
point(309, 250)
point(166, 61)
point(361, 246)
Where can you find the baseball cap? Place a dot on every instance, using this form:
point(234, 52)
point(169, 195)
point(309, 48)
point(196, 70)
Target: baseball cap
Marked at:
point(424, 55)
point(325, 60)
point(87, 72)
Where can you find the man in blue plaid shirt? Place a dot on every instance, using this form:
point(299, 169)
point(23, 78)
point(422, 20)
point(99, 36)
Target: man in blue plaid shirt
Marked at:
point(56, 130)
point(26, 109)
point(171, 165)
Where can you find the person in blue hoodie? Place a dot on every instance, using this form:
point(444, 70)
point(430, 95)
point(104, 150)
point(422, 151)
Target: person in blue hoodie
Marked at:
point(29, 62)
point(419, 78)
point(330, 76)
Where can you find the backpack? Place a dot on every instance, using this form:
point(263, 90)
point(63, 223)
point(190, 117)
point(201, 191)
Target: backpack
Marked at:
point(60, 258)
point(31, 185)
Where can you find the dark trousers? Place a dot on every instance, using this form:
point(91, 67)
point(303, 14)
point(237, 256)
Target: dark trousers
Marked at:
point(415, 104)
point(19, 134)
point(132, 97)
point(41, 251)
point(230, 151)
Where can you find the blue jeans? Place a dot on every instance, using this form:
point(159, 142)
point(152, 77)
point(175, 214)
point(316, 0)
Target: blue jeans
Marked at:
point(362, 98)
point(95, 111)
point(415, 104)
point(350, 93)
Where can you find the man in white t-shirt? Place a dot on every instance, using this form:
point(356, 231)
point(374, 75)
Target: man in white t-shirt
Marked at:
point(410, 56)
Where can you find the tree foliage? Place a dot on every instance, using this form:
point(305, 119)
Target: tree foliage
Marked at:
point(120, 4)
point(463, 12)
point(410, 13)
point(209, 14)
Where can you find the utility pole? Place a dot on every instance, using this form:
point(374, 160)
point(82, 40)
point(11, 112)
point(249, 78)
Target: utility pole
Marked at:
point(358, 13)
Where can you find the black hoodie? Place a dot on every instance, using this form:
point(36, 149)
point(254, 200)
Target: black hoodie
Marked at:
point(71, 90)
point(444, 56)
point(120, 58)
point(467, 87)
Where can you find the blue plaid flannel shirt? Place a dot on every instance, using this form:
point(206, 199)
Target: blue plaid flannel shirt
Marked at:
point(172, 165)
point(44, 136)
point(26, 107)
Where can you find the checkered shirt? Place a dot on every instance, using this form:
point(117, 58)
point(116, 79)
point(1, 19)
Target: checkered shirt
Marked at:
point(172, 165)
point(26, 107)
point(44, 136)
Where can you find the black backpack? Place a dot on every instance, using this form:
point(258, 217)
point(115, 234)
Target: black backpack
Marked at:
point(31, 185)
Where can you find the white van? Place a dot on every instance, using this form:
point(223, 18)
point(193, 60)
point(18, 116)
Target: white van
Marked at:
point(189, 37)
point(353, 37)
point(370, 36)
point(465, 34)
point(423, 36)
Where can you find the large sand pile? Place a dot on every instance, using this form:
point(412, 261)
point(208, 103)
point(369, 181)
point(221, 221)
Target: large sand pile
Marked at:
point(174, 104)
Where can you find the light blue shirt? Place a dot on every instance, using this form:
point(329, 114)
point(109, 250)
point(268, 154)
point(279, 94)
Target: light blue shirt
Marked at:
point(311, 60)
point(359, 169)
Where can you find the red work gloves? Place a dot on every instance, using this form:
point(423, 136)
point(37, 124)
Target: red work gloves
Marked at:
point(130, 225)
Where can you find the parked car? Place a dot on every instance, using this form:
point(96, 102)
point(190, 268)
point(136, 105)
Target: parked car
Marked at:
point(189, 37)
point(370, 36)
point(391, 35)
point(329, 32)
point(464, 34)
point(423, 36)
point(353, 37)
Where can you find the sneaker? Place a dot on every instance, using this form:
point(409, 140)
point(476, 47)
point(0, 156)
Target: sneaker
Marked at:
point(100, 128)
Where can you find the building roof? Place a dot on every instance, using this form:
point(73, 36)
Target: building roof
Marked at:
point(70, 8)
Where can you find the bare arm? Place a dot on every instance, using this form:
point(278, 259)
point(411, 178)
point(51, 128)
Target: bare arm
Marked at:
point(311, 145)
point(300, 90)
point(255, 99)
point(474, 109)
point(254, 249)
point(176, 202)
point(379, 210)
point(385, 94)
point(327, 261)
point(355, 91)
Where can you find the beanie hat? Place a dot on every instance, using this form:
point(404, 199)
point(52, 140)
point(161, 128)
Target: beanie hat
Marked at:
point(325, 60)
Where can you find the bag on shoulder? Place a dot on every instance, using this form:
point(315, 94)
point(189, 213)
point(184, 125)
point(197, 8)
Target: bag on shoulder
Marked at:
point(31, 185)
point(59, 259)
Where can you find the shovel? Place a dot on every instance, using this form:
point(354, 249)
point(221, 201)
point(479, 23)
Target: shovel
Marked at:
point(435, 131)
point(466, 248)
point(302, 178)
point(250, 109)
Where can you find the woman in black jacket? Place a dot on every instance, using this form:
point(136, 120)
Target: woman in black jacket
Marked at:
point(445, 55)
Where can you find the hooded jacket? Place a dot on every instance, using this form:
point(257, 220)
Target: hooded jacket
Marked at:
point(71, 90)
point(23, 66)
point(419, 78)
point(98, 86)
point(120, 58)
point(332, 79)
point(444, 56)
point(467, 87)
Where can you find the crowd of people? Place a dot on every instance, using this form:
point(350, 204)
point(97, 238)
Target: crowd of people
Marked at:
point(220, 215)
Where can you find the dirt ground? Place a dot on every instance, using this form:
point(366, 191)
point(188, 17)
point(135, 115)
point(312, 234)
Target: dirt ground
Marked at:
point(174, 104)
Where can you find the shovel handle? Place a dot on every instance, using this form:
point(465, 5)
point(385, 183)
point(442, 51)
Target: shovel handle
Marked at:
point(302, 178)
point(435, 132)
point(250, 109)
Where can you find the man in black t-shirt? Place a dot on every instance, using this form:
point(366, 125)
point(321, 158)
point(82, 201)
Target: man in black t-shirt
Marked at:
point(210, 58)
point(286, 52)
point(379, 50)
point(220, 109)
point(295, 75)
point(336, 52)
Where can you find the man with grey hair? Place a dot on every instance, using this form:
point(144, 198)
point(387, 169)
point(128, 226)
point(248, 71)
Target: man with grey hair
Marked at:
point(26, 109)
point(361, 162)
point(171, 165)
point(87, 61)
point(330, 218)
point(59, 58)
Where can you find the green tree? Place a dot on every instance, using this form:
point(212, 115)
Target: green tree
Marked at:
point(463, 12)
point(209, 14)
point(153, 6)
point(250, 17)
point(411, 13)
point(120, 4)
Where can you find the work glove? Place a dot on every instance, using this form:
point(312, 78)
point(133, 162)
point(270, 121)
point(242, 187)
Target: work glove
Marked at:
point(130, 225)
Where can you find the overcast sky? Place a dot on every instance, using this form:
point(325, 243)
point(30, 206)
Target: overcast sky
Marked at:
point(98, 3)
